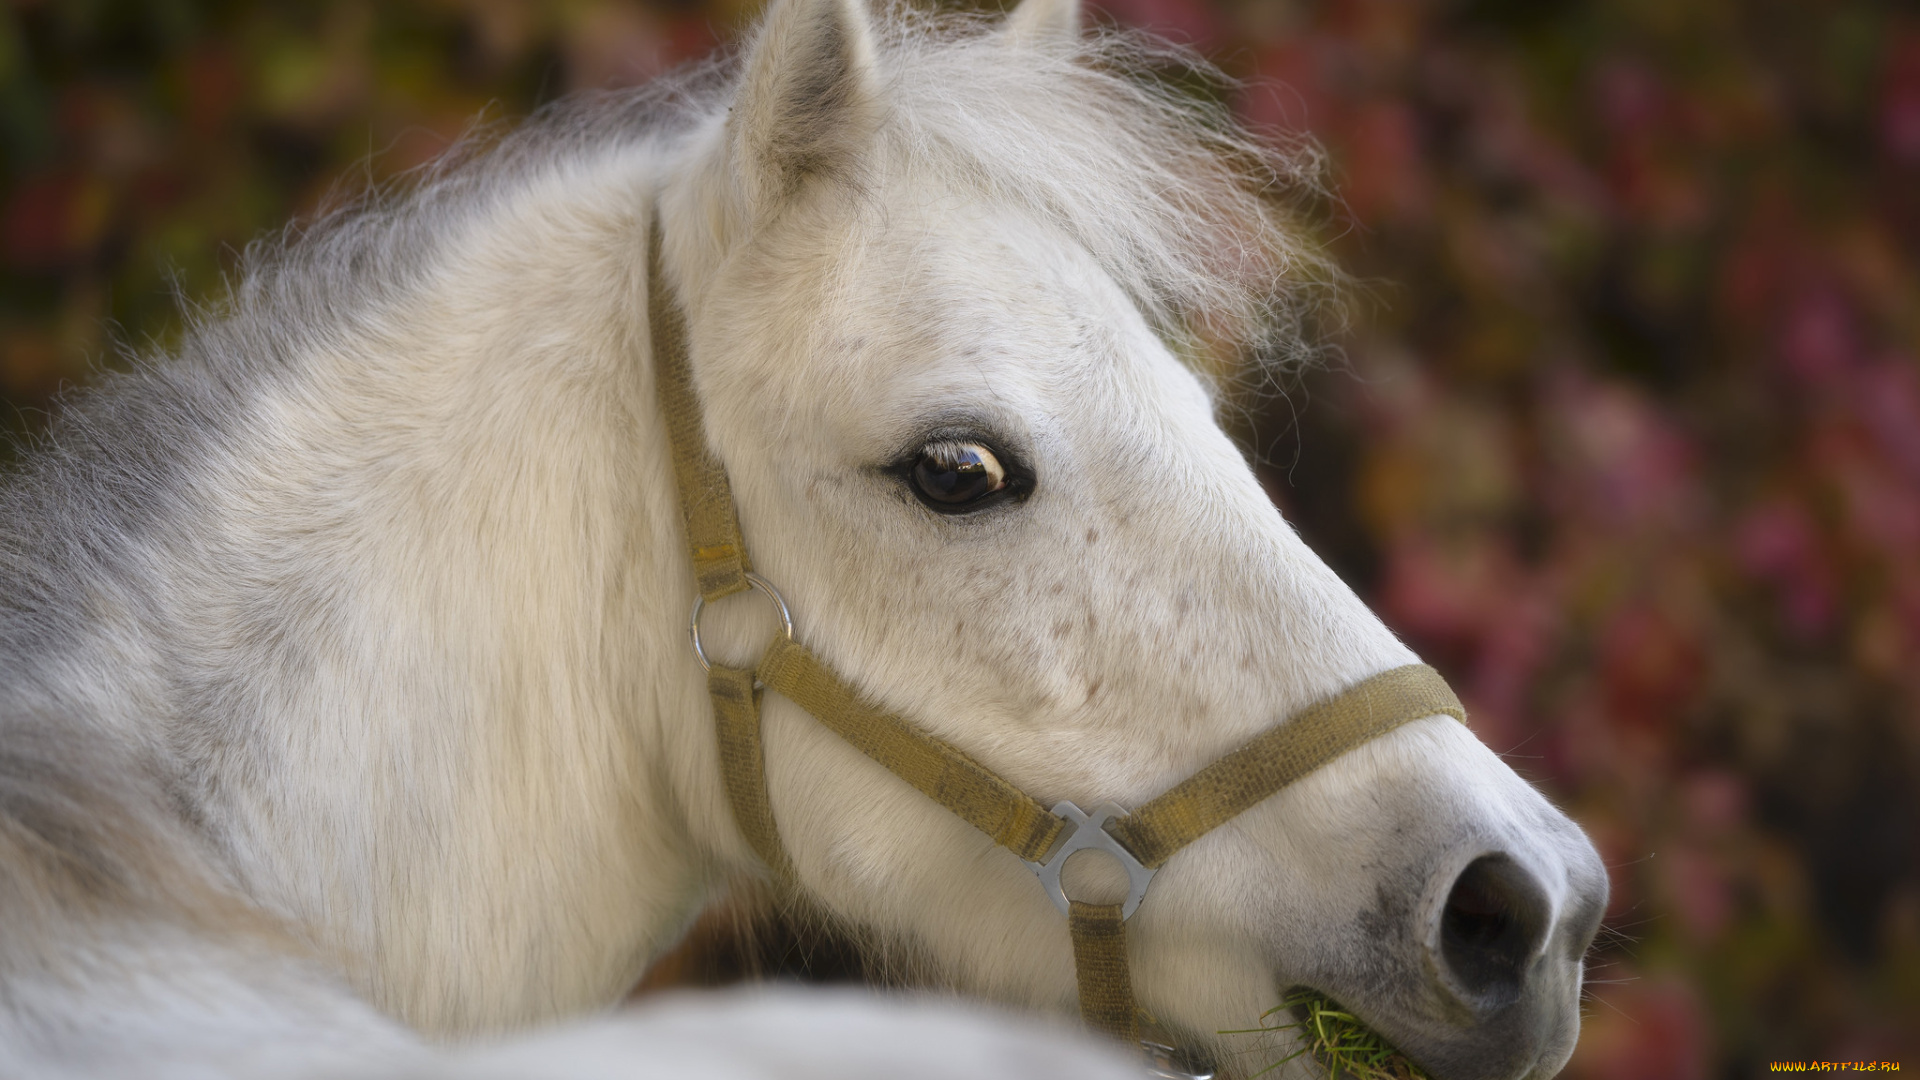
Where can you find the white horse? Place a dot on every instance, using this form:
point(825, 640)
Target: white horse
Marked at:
point(345, 699)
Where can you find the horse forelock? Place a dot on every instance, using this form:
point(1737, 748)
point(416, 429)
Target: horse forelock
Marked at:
point(1205, 223)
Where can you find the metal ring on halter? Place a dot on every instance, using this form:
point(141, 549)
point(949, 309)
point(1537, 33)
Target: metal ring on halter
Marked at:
point(1090, 832)
point(758, 582)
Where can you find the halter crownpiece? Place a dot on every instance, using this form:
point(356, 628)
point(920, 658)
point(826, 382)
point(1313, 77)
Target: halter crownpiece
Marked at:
point(1142, 840)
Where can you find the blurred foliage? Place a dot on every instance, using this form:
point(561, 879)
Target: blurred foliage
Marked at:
point(1634, 455)
point(1627, 440)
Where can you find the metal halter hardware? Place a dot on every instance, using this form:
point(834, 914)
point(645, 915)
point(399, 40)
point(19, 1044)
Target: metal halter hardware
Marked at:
point(758, 582)
point(1090, 834)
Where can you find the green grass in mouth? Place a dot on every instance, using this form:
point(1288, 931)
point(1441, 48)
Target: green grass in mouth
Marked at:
point(1336, 1039)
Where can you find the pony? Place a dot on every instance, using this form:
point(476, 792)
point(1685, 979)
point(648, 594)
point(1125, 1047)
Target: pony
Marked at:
point(347, 718)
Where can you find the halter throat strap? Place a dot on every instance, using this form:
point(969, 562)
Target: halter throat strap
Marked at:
point(1149, 836)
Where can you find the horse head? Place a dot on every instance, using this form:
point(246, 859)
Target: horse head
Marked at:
point(942, 294)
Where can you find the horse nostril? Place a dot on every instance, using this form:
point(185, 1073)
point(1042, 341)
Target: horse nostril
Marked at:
point(1493, 924)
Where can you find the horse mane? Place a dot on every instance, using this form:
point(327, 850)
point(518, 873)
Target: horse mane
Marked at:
point(1204, 222)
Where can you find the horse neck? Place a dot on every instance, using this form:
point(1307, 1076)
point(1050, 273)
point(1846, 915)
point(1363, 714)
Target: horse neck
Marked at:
point(432, 696)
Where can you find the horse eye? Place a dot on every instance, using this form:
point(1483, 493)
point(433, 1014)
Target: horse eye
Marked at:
point(951, 477)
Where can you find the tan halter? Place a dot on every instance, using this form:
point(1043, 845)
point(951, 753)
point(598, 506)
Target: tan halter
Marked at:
point(1142, 840)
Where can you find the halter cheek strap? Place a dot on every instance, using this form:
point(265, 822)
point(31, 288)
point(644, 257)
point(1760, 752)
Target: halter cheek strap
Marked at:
point(1142, 840)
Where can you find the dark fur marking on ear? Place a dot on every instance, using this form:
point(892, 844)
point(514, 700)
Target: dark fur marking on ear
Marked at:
point(815, 116)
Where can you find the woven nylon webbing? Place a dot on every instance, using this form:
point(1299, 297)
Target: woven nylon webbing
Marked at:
point(719, 556)
point(1100, 966)
point(1312, 738)
point(736, 719)
point(944, 774)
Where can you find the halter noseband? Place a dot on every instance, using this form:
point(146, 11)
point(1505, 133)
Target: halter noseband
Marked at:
point(1142, 840)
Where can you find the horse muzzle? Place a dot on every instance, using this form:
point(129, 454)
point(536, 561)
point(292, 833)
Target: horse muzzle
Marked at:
point(1481, 979)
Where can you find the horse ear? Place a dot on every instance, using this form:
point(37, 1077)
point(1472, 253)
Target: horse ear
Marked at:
point(1037, 22)
point(809, 104)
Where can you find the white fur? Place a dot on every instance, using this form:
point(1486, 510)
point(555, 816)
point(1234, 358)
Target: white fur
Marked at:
point(413, 652)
